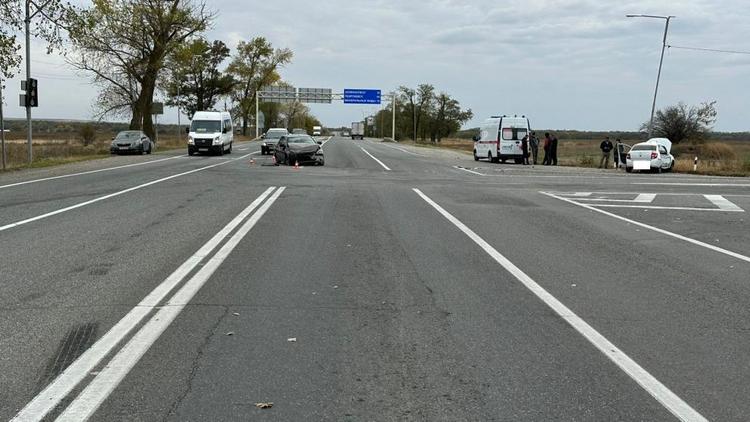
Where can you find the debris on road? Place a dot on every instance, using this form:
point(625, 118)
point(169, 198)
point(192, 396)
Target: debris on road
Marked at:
point(231, 333)
point(335, 287)
point(264, 405)
point(236, 313)
point(292, 339)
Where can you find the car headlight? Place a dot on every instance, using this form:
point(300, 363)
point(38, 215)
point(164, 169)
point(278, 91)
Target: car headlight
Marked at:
point(190, 140)
point(264, 144)
point(217, 140)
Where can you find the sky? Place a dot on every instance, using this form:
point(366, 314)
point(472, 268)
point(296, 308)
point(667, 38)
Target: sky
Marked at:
point(567, 64)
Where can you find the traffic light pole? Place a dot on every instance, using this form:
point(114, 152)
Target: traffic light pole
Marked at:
point(27, 22)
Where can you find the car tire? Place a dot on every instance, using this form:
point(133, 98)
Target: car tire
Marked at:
point(150, 147)
point(190, 152)
point(229, 151)
point(475, 156)
point(290, 159)
point(518, 160)
point(629, 169)
point(221, 151)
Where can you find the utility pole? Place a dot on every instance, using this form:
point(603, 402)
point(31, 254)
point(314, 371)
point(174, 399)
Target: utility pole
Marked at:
point(27, 22)
point(179, 125)
point(257, 114)
point(661, 61)
point(2, 121)
point(393, 122)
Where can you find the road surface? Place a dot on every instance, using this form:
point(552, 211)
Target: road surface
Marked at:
point(395, 283)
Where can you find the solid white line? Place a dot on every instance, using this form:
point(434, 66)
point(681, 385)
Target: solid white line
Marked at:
point(379, 162)
point(116, 369)
point(111, 195)
point(61, 386)
point(656, 229)
point(655, 207)
point(403, 150)
point(693, 184)
point(641, 198)
point(469, 171)
point(89, 172)
point(723, 203)
point(659, 391)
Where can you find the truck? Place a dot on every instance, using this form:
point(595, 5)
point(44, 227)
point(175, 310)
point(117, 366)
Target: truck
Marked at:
point(317, 130)
point(358, 130)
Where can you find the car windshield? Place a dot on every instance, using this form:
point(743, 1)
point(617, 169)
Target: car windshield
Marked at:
point(301, 140)
point(205, 126)
point(644, 148)
point(275, 134)
point(127, 136)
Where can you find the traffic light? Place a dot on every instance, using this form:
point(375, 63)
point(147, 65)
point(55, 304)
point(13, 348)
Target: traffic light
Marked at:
point(32, 93)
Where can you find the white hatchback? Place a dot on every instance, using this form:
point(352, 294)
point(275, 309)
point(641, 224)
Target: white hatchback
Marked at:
point(652, 155)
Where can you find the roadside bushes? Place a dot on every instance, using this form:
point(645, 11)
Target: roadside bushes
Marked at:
point(87, 133)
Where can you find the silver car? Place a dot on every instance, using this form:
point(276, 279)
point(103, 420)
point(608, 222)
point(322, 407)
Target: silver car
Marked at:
point(131, 141)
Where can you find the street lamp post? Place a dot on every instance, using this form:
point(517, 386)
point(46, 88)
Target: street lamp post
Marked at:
point(661, 61)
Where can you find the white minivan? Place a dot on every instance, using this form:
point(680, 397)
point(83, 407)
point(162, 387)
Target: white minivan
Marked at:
point(210, 132)
point(500, 138)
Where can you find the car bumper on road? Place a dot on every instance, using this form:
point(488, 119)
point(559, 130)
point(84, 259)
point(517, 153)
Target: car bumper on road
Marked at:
point(213, 149)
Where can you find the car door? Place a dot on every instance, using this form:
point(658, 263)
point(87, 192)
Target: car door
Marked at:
point(666, 160)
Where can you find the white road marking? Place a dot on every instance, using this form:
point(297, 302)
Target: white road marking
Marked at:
point(656, 229)
point(469, 171)
point(379, 162)
point(402, 150)
point(648, 382)
point(694, 184)
point(655, 207)
point(641, 198)
point(112, 195)
point(723, 203)
point(89, 172)
point(116, 369)
point(61, 386)
point(581, 194)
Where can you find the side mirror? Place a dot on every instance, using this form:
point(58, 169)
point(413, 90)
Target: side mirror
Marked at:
point(476, 138)
point(320, 142)
point(187, 129)
point(263, 136)
point(224, 130)
point(113, 138)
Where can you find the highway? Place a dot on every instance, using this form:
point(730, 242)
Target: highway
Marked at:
point(394, 283)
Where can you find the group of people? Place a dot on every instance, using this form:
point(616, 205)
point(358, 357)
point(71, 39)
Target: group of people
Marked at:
point(606, 146)
point(549, 145)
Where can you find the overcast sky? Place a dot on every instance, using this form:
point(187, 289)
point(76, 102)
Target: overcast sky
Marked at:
point(575, 64)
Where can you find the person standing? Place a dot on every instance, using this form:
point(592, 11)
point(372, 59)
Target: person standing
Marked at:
point(553, 150)
point(606, 146)
point(618, 148)
point(547, 144)
point(525, 150)
point(534, 143)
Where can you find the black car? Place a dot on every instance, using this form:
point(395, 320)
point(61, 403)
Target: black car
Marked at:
point(299, 149)
point(131, 141)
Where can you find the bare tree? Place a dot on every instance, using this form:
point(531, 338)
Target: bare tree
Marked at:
point(680, 122)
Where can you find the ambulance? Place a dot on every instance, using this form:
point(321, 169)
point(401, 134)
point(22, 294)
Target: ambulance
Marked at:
point(500, 139)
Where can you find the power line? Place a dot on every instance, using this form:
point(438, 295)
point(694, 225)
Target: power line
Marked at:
point(713, 50)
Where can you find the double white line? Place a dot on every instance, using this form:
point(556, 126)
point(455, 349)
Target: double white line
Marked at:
point(92, 396)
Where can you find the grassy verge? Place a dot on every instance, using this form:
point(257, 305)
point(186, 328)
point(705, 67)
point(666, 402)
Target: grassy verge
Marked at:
point(53, 151)
point(716, 158)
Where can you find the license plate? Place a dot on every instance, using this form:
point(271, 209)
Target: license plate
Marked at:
point(125, 148)
point(203, 149)
point(641, 165)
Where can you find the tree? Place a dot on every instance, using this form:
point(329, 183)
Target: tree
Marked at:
point(425, 96)
point(254, 66)
point(124, 44)
point(408, 99)
point(680, 122)
point(195, 82)
point(448, 117)
point(47, 21)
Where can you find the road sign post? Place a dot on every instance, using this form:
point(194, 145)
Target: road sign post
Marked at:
point(2, 122)
point(156, 110)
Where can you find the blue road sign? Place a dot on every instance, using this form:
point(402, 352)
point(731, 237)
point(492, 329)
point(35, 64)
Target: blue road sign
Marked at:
point(361, 96)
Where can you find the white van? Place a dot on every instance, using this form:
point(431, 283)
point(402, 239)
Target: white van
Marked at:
point(500, 138)
point(210, 132)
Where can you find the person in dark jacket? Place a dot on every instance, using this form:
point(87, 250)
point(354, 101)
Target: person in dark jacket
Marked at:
point(534, 144)
point(606, 147)
point(553, 150)
point(547, 145)
point(618, 148)
point(525, 149)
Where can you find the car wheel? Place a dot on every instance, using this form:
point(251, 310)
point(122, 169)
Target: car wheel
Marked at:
point(475, 156)
point(221, 150)
point(290, 159)
point(229, 151)
point(150, 147)
point(518, 160)
point(190, 152)
point(629, 169)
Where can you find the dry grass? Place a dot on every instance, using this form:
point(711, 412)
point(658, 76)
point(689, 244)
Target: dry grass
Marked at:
point(722, 158)
point(51, 149)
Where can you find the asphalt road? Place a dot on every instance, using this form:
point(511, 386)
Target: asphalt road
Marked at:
point(395, 283)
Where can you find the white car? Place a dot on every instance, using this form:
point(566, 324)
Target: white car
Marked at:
point(652, 155)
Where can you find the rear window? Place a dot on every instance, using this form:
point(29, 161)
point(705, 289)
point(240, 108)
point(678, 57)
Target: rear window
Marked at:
point(514, 133)
point(644, 148)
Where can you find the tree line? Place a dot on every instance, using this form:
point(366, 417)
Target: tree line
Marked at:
point(422, 114)
point(135, 49)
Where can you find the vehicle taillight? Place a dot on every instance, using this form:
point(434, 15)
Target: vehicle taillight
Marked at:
point(654, 156)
